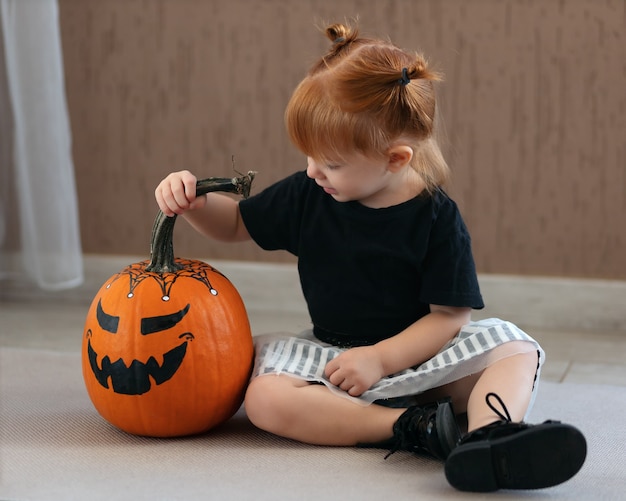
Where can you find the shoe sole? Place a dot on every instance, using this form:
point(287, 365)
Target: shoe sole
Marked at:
point(541, 456)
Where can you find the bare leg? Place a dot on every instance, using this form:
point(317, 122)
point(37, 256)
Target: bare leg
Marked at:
point(311, 413)
point(511, 377)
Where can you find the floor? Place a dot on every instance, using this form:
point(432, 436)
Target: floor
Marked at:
point(34, 320)
point(55, 322)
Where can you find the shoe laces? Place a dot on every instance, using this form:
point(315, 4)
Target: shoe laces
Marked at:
point(505, 422)
point(407, 430)
point(503, 416)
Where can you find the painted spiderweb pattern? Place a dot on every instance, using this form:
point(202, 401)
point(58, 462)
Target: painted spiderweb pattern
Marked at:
point(137, 273)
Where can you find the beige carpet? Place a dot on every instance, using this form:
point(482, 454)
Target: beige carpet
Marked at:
point(54, 446)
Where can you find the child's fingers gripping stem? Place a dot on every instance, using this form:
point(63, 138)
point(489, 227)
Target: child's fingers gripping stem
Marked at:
point(177, 194)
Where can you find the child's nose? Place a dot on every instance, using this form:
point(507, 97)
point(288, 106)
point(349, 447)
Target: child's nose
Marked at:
point(313, 170)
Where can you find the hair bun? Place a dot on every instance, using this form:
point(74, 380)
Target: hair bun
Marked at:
point(419, 70)
point(341, 34)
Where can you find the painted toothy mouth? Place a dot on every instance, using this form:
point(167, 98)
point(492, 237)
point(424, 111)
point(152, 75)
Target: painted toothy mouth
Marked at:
point(135, 379)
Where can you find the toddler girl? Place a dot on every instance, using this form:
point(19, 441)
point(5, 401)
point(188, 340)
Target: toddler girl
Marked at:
point(385, 262)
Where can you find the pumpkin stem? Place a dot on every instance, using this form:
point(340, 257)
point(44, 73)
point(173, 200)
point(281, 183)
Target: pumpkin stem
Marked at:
point(161, 242)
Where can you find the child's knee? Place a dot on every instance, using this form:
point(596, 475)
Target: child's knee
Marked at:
point(529, 361)
point(265, 401)
point(257, 399)
point(521, 353)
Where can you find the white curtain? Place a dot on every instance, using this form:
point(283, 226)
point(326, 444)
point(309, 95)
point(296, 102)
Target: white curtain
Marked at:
point(37, 186)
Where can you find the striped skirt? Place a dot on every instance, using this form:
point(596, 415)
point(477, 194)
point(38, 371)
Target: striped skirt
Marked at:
point(471, 351)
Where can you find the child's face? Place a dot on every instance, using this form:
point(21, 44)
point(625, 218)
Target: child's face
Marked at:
point(353, 178)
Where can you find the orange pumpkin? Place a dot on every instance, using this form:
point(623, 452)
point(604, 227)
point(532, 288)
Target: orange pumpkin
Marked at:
point(167, 348)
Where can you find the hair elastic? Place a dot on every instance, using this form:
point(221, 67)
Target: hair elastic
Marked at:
point(405, 77)
point(339, 40)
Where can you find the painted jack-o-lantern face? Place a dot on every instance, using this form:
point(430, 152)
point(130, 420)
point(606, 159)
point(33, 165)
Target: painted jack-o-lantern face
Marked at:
point(167, 354)
point(135, 378)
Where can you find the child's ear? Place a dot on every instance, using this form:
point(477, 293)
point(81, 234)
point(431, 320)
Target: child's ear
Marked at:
point(399, 156)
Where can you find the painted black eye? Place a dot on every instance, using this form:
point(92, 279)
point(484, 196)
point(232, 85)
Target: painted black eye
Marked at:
point(108, 322)
point(150, 325)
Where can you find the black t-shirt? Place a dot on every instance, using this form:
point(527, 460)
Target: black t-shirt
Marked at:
point(366, 274)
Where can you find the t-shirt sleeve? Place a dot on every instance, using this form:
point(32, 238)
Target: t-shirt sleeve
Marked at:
point(273, 216)
point(449, 273)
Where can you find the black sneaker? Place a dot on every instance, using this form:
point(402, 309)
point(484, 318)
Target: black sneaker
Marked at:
point(429, 429)
point(507, 455)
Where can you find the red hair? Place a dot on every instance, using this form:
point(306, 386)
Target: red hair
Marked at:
point(367, 95)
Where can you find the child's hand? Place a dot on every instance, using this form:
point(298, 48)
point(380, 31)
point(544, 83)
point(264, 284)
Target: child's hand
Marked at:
point(177, 194)
point(355, 370)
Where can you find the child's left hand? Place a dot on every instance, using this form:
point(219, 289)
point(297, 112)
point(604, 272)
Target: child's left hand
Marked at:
point(355, 370)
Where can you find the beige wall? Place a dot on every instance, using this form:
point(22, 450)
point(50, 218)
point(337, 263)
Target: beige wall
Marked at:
point(534, 105)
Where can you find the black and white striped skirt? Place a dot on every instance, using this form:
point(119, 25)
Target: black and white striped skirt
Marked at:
point(472, 350)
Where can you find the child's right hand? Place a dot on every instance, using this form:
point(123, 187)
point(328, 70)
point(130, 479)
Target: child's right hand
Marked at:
point(176, 194)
